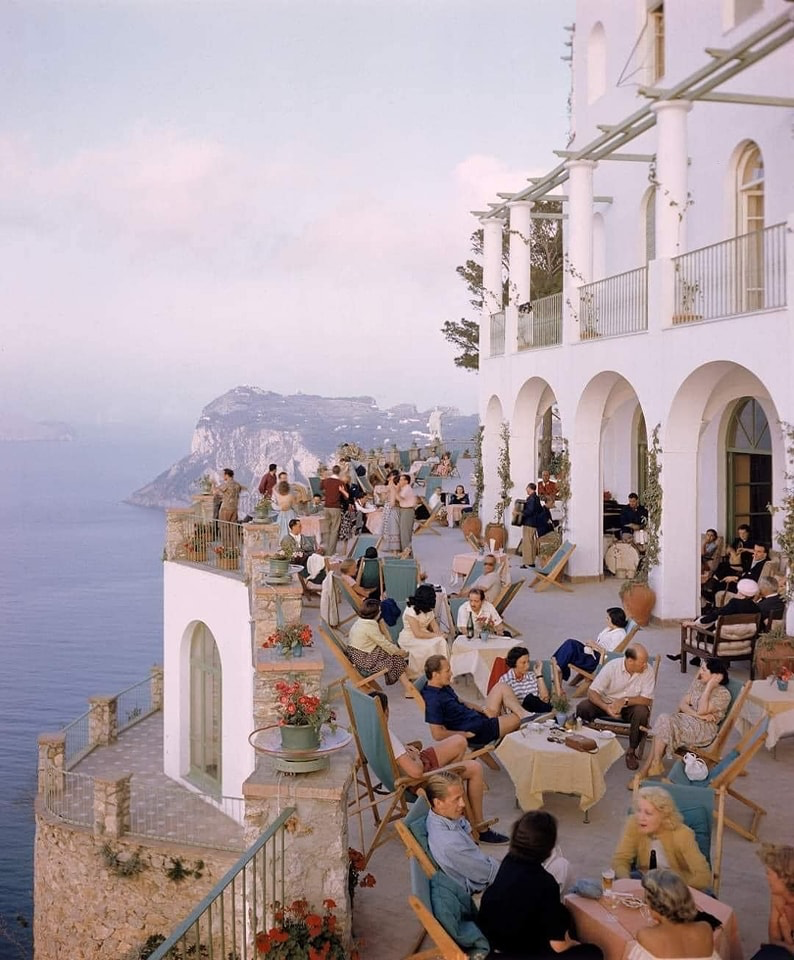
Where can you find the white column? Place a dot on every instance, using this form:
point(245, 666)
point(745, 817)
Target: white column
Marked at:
point(672, 160)
point(520, 251)
point(493, 299)
point(677, 578)
point(579, 266)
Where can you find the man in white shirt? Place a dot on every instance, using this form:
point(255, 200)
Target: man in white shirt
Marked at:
point(623, 690)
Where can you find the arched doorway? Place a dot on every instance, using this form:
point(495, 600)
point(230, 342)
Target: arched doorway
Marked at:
point(205, 710)
point(749, 468)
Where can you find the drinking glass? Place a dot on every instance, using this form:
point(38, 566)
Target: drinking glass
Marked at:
point(610, 901)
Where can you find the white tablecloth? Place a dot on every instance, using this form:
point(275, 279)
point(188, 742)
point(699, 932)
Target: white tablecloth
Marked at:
point(765, 698)
point(477, 657)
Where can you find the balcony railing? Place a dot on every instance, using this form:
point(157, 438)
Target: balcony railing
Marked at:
point(497, 334)
point(742, 275)
point(614, 306)
point(240, 905)
point(542, 327)
point(213, 543)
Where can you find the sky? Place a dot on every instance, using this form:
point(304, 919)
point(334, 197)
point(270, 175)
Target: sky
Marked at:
point(206, 193)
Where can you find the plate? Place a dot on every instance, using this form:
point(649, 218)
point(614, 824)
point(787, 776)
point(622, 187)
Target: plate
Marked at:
point(603, 734)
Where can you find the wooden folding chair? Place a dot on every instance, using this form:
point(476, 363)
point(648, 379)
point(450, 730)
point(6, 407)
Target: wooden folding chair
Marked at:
point(314, 484)
point(335, 643)
point(504, 600)
point(352, 598)
point(360, 544)
point(431, 485)
point(474, 542)
point(369, 574)
point(399, 577)
point(427, 524)
point(715, 750)
point(422, 474)
point(723, 774)
point(550, 572)
point(587, 676)
point(733, 638)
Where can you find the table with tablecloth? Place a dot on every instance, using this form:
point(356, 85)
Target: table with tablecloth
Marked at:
point(537, 765)
point(616, 936)
point(476, 656)
point(765, 698)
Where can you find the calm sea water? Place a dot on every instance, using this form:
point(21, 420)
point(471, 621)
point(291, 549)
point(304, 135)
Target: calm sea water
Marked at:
point(80, 613)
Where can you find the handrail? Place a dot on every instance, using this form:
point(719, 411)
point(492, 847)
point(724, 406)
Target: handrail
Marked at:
point(614, 306)
point(242, 913)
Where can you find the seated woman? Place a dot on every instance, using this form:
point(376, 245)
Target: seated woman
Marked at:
point(712, 550)
point(574, 653)
point(370, 648)
point(347, 574)
point(528, 685)
point(421, 635)
point(677, 931)
point(444, 467)
point(521, 913)
point(481, 613)
point(779, 862)
point(656, 825)
point(369, 569)
point(457, 505)
point(700, 712)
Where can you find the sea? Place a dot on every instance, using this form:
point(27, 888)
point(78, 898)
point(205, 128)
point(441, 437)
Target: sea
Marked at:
point(81, 612)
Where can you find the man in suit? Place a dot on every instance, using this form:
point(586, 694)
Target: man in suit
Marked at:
point(771, 604)
point(743, 602)
point(760, 566)
point(302, 547)
point(534, 523)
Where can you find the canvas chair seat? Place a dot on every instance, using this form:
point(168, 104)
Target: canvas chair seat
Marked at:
point(713, 751)
point(549, 574)
point(733, 637)
point(399, 577)
point(360, 544)
point(432, 517)
point(503, 601)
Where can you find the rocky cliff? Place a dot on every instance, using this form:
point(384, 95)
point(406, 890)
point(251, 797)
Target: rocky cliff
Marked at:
point(248, 428)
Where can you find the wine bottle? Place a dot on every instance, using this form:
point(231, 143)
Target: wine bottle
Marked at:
point(470, 626)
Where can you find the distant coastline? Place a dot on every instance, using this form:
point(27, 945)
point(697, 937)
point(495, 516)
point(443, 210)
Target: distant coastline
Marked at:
point(22, 430)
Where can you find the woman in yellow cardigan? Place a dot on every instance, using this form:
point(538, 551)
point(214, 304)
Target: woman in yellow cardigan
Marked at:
point(657, 826)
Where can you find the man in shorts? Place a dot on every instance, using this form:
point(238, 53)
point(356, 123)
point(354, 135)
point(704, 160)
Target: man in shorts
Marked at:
point(415, 763)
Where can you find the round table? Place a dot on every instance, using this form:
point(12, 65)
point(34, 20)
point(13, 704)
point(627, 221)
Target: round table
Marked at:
point(267, 740)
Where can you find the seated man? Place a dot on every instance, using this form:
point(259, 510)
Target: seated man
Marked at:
point(623, 690)
point(633, 515)
point(771, 604)
point(481, 613)
point(574, 653)
point(297, 546)
point(760, 566)
point(547, 488)
point(492, 580)
point(446, 713)
point(416, 763)
point(743, 602)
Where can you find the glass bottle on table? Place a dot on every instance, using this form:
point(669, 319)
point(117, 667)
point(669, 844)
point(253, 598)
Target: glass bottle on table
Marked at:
point(470, 627)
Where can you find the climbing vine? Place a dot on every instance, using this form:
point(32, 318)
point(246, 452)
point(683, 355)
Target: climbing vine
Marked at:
point(478, 478)
point(503, 472)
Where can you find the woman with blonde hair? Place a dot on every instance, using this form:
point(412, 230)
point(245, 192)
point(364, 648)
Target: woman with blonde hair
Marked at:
point(656, 827)
point(779, 862)
point(676, 932)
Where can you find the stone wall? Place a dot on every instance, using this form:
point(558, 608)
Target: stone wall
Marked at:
point(84, 909)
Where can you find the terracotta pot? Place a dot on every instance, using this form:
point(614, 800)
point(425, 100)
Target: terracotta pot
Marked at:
point(497, 533)
point(471, 524)
point(771, 657)
point(638, 602)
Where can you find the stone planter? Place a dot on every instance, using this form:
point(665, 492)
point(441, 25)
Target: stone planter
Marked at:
point(638, 601)
point(301, 737)
point(497, 533)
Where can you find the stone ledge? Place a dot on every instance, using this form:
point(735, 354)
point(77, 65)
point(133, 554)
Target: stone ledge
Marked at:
point(269, 660)
point(266, 783)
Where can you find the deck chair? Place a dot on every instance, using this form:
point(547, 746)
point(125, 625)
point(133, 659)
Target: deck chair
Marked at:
point(473, 574)
point(733, 638)
point(314, 484)
point(432, 484)
point(550, 572)
point(715, 750)
point(405, 460)
point(499, 669)
point(474, 542)
point(423, 473)
point(360, 544)
point(335, 643)
point(432, 517)
point(722, 776)
point(453, 463)
point(620, 727)
point(399, 577)
point(504, 600)
point(369, 575)
point(424, 873)
point(587, 676)
point(696, 806)
point(377, 765)
point(352, 598)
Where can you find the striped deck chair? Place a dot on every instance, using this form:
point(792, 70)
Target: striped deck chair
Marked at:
point(399, 577)
point(550, 572)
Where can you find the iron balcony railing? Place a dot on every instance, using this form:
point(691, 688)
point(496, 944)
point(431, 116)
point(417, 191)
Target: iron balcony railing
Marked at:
point(497, 334)
point(614, 306)
point(240, 905)
point(542, 326)
point(211, 543)
point(134, 704)
point(742, 275)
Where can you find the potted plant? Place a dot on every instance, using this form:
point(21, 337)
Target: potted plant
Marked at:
point(280, 560)
point(263, 511)
point(196, 544)
point(486, 627)
point(290, 639)
point(227, 557)
point(560, 705)
point(204, 483)
point(496, 529)
point(301, 715)
point(636, 595)
point(298, 931)
point(774, 651)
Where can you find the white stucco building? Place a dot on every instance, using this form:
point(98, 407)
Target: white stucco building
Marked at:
point(678, 200)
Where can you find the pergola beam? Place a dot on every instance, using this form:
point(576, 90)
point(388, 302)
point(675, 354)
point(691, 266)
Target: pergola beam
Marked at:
point(757, 100)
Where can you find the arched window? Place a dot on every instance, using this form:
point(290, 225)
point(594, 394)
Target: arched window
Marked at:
point(749, 449)
point(749, 224)
point(205, 709)
point(596, 62)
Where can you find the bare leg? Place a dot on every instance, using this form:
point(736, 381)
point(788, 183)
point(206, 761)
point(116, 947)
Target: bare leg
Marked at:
point(502, 698)
point(653, 766)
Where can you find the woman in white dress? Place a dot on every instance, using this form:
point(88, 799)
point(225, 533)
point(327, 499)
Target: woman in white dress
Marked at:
point(421, 635)
point(676, 932)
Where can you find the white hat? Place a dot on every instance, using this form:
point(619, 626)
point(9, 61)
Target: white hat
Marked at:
point(747, 588)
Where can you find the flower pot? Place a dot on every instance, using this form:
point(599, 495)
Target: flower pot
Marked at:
point(782, 685)
point(638, 602)
point(497, 533)
point(296, 651)
point(470, 524)
point(278, 568)
point(485, 635)
point(302, 737)
point(196, 556)
point(560, 718)
point(770, 656)
point(228, 563)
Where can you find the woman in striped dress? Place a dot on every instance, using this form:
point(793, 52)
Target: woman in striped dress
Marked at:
point(528, 685)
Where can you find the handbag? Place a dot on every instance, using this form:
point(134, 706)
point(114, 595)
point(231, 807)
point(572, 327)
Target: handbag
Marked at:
point(583, 744)
point(695, 768)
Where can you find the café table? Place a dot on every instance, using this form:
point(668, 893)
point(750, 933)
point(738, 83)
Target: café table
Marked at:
point(616, 936)
point(778, 705)
point(476, 656)
point(537, 765)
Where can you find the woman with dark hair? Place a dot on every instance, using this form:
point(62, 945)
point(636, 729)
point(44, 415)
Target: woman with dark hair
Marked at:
point(700, 712)
point(457, 503)
point(521, 913)
point(528, 685)
point(370, 648)
point(677, 931)
point(574, 653)
point(421, 635)
point(390, 540)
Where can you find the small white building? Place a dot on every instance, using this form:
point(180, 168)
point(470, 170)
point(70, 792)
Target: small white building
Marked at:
point(678, 203)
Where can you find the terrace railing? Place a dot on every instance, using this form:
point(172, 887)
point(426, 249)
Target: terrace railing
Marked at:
point(227, 920)
point(742, 275)
point(498, 334)
point(542, 327)
point(614, 306)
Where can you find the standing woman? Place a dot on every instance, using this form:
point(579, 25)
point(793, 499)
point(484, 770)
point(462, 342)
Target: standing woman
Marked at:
point(348, 525)
point(390, 543)
point(283, 500)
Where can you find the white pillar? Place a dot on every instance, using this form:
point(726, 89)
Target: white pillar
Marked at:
point(520, 251)
point(579, 266)
point(672, 160)
point(492, 297)
point(677, 577)
point(585, 507)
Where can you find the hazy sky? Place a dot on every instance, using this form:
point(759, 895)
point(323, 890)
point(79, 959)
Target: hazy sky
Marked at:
point(195, 195)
